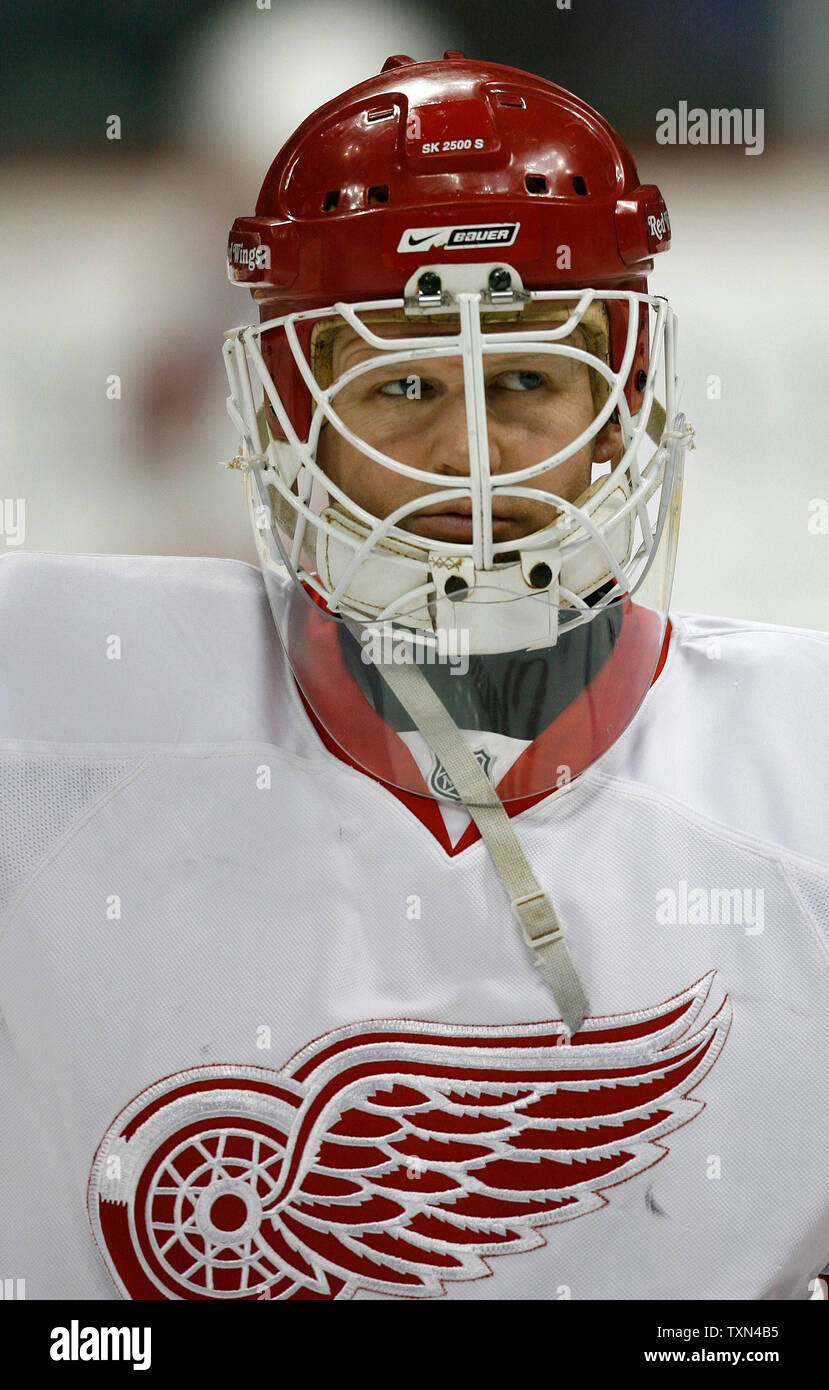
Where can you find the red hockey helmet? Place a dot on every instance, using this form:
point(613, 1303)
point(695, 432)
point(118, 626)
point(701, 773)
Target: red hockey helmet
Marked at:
point(465, 158)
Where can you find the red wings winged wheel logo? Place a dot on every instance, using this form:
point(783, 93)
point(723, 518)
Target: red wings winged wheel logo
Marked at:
point(392, 1156)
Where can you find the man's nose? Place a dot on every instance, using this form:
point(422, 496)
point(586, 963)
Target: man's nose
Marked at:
point(450, 444)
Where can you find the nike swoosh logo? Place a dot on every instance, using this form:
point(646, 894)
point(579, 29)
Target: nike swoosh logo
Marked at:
point(420, 240)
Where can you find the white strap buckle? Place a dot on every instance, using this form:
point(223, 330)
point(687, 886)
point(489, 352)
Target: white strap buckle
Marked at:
point(535, 912)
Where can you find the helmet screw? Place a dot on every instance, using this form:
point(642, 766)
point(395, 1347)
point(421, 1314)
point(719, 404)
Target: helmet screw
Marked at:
point(456, 588)
point(429, 283)
point(499, 280)
point(541, 575)
point(641, 379)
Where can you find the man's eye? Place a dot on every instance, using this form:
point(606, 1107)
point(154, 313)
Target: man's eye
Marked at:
point(519, 381)
point(401, 386)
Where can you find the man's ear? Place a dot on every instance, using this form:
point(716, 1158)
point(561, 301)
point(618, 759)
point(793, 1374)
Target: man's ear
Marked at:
point(608, 442)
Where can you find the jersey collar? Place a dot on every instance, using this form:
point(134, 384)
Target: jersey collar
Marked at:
point(575, 738)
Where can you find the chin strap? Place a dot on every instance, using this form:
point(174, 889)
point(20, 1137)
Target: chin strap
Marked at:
point(530, 903)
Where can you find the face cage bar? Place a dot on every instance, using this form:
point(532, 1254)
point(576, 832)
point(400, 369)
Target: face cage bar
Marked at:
point(241, 350)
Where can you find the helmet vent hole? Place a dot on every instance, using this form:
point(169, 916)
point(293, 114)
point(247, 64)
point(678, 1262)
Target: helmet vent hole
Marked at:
point(541, 576)
point(535, 183)
point(456, 588)
point(579, 185)
point(507, 99)
point(384, 115)
point(378, 193)
point(331, 199)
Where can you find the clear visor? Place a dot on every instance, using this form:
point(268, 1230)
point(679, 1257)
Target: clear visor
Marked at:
point(473, 499)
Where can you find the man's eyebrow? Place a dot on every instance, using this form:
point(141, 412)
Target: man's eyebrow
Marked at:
point(357, 344)
point(355, 341)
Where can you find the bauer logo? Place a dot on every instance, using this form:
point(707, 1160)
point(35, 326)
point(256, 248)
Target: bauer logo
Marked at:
point(453, 238)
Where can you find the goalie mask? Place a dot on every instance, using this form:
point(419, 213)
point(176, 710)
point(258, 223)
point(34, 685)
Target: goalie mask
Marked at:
point(459, 425)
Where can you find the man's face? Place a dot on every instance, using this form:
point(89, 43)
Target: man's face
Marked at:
point(415, 412)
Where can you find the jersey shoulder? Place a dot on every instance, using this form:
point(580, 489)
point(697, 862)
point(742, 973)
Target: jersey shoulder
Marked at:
point(135, 649)
point(734, 729)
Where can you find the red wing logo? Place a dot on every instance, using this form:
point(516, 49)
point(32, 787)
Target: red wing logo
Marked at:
point(393, 1156)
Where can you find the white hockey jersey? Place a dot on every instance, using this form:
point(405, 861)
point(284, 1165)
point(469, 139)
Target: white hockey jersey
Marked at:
point(267, 1033)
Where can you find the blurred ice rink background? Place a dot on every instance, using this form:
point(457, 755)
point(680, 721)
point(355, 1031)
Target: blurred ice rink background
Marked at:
point(114, 257)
